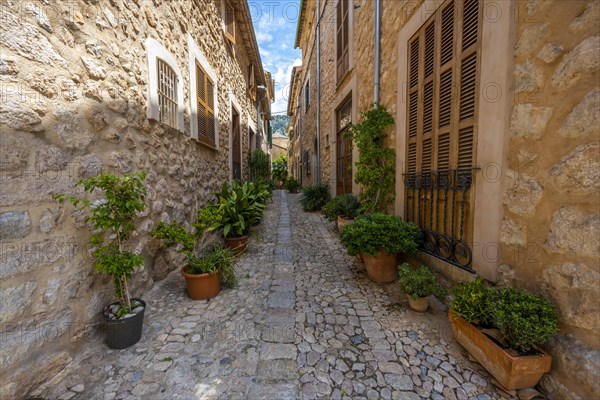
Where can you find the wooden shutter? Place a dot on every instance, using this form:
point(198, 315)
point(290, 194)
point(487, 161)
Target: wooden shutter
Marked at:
point(441, 124)
point(443, 63)
point(230, 22)
point(206, 106)
point(342, 36)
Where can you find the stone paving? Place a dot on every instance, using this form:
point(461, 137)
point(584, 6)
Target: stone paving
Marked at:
point(304, 323)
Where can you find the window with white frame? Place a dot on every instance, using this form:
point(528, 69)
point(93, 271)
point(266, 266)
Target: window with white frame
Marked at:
point(165, 85)
point(203, 97)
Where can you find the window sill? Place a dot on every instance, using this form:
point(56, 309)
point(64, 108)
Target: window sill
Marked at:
point(207, 145)
point(165, 125)
point(343, 79)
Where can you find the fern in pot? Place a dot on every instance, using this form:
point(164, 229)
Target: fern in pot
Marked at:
point(112, 222)
point(418, 284)
point(203, 271)
point(342, 208)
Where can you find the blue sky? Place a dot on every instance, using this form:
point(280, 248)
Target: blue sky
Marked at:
point(275, 28)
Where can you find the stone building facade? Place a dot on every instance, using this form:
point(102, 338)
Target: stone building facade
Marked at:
point(499, 100)
point(92, 85)
point(280, 145)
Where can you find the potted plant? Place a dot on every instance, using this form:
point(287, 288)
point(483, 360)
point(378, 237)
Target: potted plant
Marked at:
point(292, 185)
point(112, 221)
point(344, 208)
point(419, 284)
point(203, 273)
point(240, 207)
point(379, 238)
point(279, 170)
point(503, 329)
point(313, 198)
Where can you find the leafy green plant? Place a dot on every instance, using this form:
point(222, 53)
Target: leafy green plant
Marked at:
point(292, 184)
point(376, 166)
point(191, 245)
point(217, 259)
point(524, 319)
point(346, 206)
point(259, 165)
point(373, 233)
point(420, 282)
point(279, 171)
point(112, 221)
point(472, 302)
point(240, 206)
point(313, 198)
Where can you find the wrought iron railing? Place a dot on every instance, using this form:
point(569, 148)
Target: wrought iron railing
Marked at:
point(439, 203)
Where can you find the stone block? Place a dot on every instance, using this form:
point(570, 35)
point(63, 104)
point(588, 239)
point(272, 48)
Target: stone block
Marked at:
point(522, 193)
point(582, 60)
point(15, 300)
point(575, 288)
point(14, 224)
point(529, 121)
point(579, 171)
point(574, 231)
point(583, 120)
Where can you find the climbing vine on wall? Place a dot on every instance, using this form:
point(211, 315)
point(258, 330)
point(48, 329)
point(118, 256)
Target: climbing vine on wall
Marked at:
point(376, 166)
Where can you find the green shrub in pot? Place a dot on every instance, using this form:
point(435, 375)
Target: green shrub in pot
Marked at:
point(524, 319)
point(347, 206)
point(375, 233)
point(292, 185)
point(420, 282)
point(472, 302)
point(240, 206)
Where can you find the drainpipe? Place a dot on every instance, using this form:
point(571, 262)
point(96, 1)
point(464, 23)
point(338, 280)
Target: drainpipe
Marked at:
point(377, 49)
point(318, 92)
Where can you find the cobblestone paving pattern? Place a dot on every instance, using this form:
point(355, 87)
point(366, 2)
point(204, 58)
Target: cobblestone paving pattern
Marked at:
point(304, 323)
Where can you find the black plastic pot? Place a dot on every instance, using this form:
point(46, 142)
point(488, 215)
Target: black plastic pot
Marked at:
point(123, 333)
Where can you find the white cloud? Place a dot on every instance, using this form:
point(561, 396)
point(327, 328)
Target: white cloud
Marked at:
point(264, 37)
point(282, 85)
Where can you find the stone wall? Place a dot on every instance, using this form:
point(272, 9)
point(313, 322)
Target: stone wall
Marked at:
point(549, 238)
point(74, 78)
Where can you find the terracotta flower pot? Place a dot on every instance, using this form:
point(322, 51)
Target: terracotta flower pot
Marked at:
point(420, 305)
point(512, 372)
point(237, 244)
point(342, 222)
point(202, 286)
point(381, 268)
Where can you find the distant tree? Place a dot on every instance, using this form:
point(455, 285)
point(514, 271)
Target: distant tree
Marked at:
point(279, 168)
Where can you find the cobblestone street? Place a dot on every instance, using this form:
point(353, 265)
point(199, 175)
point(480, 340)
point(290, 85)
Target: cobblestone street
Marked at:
point(304, 323)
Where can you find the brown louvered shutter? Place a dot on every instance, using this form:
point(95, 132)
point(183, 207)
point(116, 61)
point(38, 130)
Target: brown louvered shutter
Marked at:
point(230, 22)
point(441, 125)
point(342, 37)
point(206, 107)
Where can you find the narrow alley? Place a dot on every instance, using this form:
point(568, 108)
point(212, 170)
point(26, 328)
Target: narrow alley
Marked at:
point(305, 322)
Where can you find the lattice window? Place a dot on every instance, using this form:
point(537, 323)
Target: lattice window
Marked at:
point(442, 111)
point(206, 107)
point(167, 94)
point(342, 38)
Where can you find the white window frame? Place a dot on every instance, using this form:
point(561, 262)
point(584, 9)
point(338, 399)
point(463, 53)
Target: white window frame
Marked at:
point(197, 56)
point(156, 50)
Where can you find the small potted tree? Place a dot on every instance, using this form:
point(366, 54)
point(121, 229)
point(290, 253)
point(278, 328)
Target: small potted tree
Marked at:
point(503, 329)
point(419, 284)
point(203, 273)
point(240, 207)
point(344, 208)
point(379, 238)
point(112, 221)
